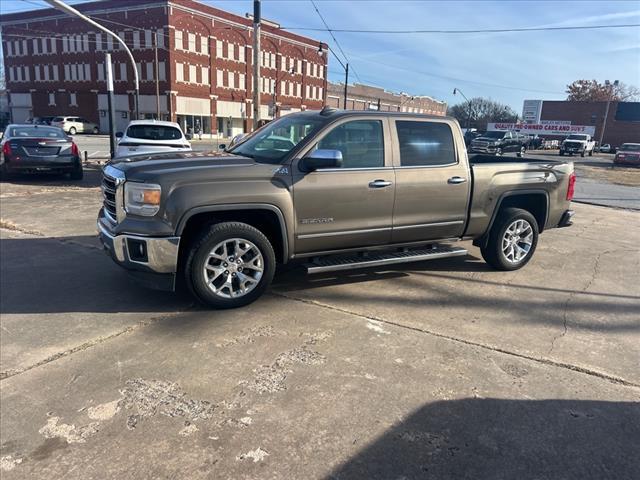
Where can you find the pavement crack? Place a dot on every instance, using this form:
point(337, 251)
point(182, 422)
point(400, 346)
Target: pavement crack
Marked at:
point(541, 360)
point(5, 374)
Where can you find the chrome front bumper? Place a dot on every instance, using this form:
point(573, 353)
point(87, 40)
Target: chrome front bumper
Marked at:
point(147, 254)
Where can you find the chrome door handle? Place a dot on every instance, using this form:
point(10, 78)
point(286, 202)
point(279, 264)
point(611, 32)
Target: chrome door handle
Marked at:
point(379, 184)
point(456, 180)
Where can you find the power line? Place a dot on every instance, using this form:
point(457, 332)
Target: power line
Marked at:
point(334, 38)
point(492, 30)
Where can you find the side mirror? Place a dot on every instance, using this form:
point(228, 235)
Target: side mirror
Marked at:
point(320, 159)
point(119, 134)
point(188, 136)
point(222, 146)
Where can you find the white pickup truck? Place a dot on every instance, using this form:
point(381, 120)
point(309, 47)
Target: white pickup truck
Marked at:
point(578, 143)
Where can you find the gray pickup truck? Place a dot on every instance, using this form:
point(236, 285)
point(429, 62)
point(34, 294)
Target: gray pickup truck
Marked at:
point(336, 190)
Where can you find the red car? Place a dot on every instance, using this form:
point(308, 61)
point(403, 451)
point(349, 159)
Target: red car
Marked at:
point(628, 154)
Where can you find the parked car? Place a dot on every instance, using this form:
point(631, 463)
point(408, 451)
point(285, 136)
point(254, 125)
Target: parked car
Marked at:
point(628, 154)
point(73, 125)
point(500, 142)
point(606, 148)
point(151, 136)
point(39, 148)
point(40, 120)
point(577, 143)
point(337, 189)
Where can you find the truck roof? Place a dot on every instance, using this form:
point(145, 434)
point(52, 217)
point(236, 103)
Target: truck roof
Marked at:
point(329, 112)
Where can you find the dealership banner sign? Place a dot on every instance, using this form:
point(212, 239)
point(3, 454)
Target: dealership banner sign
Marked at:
point(543, 128)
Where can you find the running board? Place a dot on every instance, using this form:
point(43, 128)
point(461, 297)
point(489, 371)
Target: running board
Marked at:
point(382, 259)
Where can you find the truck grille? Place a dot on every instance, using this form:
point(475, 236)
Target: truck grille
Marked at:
point(112, 180)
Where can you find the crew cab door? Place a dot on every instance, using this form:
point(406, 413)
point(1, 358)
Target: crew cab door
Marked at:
point(351, 206)
point(432, 180)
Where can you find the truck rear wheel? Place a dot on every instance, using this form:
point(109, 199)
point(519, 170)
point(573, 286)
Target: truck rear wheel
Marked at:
point(521, 152)
point(230, 266)
point(512, 240)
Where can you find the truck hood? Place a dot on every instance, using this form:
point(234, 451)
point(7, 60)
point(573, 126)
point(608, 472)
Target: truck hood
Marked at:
point(204, 165)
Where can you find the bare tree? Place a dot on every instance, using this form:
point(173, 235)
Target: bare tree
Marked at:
point(479, 111)
point(594, 91)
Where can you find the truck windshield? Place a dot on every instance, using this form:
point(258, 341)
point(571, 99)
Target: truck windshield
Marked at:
point(276, 139)
point(494, 134)
point(578, 137)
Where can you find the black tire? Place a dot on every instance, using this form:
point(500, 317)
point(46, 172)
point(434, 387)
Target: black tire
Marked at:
point(96, 131)
point(582, 153)
point(520, 154)
point(198, 256)
point(77, 173)
point(591, 153)
point(493, 253)
point(4, 172)
point(498, 152)
point(72, 131)
point(561, 153)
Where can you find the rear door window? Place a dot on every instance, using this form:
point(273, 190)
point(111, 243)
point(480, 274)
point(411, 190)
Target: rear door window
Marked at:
point(154, 132)
point(425, 144)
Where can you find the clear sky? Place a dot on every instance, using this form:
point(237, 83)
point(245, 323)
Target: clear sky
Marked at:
point(507, 67)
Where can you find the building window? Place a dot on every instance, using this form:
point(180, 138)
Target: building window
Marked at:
point(150, 75)
point(55, 73)
point(147, 39)
point(179, 73)
point(160, 37)
point(136, 39)
point(204, 45)
point(205, 75)
point(219, 49)
point(36, 72)
point(87, 71)
point(52, 99)
point(219, 78)
point(101, 72)
point(192, 74)
point(298, 90)
point(46, 72)
point(179, 43)
point(73, 101)
point(241, 53)
point(231, 81)
point(191, 42)
point(123, 72)
point(162, 71)
point(241, 82)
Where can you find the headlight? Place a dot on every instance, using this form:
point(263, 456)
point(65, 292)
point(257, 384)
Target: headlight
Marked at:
point(142, 198)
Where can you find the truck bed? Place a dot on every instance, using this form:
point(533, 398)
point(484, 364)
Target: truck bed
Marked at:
point(496, 177)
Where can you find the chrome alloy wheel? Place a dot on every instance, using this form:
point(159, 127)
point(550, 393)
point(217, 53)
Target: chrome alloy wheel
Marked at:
point(233, 268)
point(517, 241)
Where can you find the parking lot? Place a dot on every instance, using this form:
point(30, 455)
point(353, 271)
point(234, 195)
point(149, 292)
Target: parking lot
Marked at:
point(441, 369)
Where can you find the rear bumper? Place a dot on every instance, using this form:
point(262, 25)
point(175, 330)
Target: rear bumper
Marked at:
point(39, 164)
point(567, 219)
point(151, 261)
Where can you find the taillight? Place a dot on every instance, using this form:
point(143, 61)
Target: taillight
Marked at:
point(571, 188)
point(74, 149)
point(6, 149)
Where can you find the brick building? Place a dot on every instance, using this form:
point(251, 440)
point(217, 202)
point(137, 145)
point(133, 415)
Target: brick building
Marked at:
point(367, 97)
point(622, 118)
point(54, 65)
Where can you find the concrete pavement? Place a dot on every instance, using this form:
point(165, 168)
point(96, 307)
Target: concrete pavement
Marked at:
point(434, 370)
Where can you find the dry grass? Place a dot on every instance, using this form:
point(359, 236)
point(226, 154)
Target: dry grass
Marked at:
point(627, 176)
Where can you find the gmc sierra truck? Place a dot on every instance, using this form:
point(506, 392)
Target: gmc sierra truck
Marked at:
point(335, 190)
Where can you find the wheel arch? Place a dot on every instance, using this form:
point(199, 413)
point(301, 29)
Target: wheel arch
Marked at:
point(265, 217)
point(535, 201)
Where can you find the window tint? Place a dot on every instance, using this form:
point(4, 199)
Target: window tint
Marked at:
point(37, 132)
point(425, 143)
point(360, 142)
point(154, 132)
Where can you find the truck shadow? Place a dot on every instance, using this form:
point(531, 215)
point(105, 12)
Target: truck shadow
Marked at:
point(495, 438)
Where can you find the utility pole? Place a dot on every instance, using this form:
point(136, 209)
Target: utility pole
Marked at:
point(155, 49)
point(72, 11)
point(606, 112)
point(346, 85)
point(111, 104)
point(457, 90)
point(256, 64)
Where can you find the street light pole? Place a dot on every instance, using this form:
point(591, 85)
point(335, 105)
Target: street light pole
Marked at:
point(72, 11)
point(155, 48)
point(346, 72)
point(457, 90)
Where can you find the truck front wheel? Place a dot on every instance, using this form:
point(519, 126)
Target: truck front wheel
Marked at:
point(230, 266)
point(512, 240)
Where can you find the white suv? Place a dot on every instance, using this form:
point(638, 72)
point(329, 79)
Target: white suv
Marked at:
point(151, 136)
point(73, 125)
